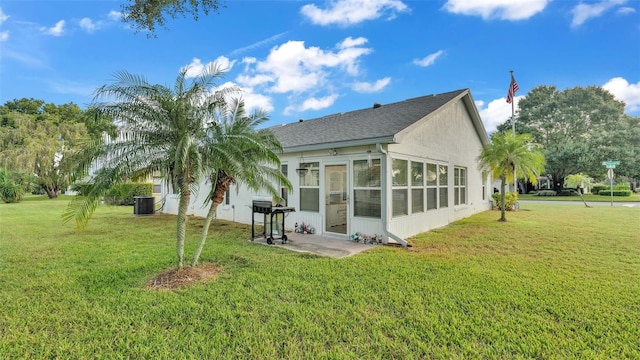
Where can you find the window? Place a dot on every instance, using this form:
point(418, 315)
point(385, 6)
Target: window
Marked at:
point(284, 192)
point(366, 188)
point(227, 196)
point(459, 186)
point(400, 190)
point(484, 186)
point(443, 182)
point(437, 186)
point(417, 187)
point(310, 187)
point(432, 186)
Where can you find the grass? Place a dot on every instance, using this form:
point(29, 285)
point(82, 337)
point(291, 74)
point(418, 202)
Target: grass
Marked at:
point(587, 197)
point(552, 282)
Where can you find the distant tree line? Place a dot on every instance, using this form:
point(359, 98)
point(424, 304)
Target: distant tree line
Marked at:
point(38, 142)
point(579, 128)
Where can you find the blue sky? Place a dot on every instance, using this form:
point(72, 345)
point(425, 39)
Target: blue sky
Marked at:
point(306, 59)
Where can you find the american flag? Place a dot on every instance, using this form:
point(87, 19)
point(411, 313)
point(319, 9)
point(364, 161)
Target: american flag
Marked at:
point(513, 87)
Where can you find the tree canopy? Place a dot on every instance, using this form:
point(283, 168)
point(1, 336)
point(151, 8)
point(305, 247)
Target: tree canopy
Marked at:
point(579, 128)
point(41, 140)
point(145, 15)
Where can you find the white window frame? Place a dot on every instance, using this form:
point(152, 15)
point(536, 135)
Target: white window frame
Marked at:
point(400, 187)
point(460, 187)
point(311, 180)
point(357, 187)
point(420, 184)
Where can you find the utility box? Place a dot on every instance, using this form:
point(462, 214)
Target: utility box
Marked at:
point(143, 205)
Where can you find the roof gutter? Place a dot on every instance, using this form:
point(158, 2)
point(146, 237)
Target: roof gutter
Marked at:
point(337, 144)
point(385, 215)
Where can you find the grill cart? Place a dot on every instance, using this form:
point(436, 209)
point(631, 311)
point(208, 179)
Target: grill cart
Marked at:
point(269, 213)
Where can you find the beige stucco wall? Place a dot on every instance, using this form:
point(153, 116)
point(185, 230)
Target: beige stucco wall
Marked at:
point(446, 137)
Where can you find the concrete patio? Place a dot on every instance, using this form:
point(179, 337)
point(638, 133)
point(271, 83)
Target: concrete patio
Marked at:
point(319, 245)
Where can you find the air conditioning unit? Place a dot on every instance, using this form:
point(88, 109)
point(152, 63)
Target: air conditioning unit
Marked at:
point(143, 205)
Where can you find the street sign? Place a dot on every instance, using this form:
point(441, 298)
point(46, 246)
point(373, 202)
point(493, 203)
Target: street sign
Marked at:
point(611, 164)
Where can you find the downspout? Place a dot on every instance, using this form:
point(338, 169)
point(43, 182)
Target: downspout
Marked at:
point(385, 215)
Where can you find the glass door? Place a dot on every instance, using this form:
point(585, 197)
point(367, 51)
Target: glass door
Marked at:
point(336, 198)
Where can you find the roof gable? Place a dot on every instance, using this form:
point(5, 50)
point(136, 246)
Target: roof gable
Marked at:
point(362, 127)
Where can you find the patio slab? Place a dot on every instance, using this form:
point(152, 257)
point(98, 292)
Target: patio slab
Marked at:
point(319, 245)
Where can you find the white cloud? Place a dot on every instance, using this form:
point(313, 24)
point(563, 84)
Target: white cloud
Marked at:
point(349, 12)
point(3, 16)
point(292, 67)
point(623, 91)
point(71, 87)
point(56, 30)
point(4, 36)
point(27, 59)
point(312, 104)
point(114, 15)
point(429, 59)
point(365, 87)
point(583, 12)
point(626, 10)
point(256, 80)
point(88, 25)
point(197, 68)
point(258, 44)
point(310, 76)
point(251, 99)
point(351, 42)
point(497, 112)
point(500, 9)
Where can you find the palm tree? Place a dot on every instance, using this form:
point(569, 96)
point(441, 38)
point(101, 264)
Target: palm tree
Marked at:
point(239, 154)
point(165, 129)
point(508, 152)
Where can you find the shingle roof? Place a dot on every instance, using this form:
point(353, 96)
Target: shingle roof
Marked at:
point(360, 126)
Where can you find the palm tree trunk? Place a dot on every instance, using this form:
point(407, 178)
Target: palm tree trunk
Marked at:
point(185, 196)
point(205, 232)
point(582, 197)
point(222, 181)
point(503, 216)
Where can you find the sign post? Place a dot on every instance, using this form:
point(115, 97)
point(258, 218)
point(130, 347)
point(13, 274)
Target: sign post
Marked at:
point(610, 166)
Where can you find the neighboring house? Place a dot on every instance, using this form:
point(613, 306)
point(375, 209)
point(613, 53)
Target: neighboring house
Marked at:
point(125, 134)
point(394, 170)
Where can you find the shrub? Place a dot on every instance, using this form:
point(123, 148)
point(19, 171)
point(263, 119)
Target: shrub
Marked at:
point(622, 186)
point(597, 187)
point(11, 192)
point(123, 194)
point(546, 193)
point(569, 192)
point(510, 200)
point(533, 192)
point(615, 193)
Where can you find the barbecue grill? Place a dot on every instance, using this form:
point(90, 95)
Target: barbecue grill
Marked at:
point(269, 213)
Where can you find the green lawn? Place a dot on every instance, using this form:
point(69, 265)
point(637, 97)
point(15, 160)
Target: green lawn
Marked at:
point(587, 197)
point(553, 282)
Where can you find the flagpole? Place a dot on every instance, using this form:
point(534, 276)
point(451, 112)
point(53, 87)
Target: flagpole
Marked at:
point(513, 129)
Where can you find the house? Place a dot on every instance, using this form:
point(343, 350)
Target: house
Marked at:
point(392, 170)
point(126, 134)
